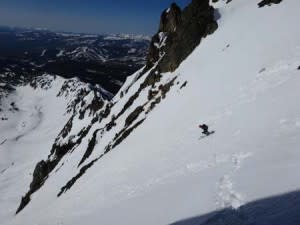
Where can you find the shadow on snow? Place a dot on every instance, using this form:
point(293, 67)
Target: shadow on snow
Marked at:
point(277, 210)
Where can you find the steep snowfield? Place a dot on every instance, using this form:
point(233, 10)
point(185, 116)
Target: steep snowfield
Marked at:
point(244, 83)
point(33, 116)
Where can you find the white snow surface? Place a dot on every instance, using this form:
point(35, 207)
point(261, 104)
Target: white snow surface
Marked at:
point(33, 123)
point(61, 53)
point(242, 81)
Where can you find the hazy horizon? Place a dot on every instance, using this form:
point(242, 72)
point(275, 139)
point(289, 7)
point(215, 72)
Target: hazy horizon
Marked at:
point(90, 16)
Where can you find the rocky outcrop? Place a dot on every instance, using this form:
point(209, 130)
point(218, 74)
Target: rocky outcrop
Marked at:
point(268, 2)
point(180, 31)
point(134, 115)
point(90, 147)
point(40, 173)
point(214, 1)
point(58, 151)
point(74, 179)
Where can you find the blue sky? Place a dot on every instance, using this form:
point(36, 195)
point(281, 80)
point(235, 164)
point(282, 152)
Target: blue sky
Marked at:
point(92, 16)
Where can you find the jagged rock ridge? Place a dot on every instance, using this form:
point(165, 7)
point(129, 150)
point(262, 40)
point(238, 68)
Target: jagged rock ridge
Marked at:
point(147, 150)
point(179, 33)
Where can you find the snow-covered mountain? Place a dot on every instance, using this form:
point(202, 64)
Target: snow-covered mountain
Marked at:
point(140, 158)
point(97, 59)
point(32, 114)
point(40, 45)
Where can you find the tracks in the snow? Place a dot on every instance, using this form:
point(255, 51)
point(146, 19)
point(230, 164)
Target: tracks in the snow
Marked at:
point(3, 142)
point(227, 196)
point(39, 116)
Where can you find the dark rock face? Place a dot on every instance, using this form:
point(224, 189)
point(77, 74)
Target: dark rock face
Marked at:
point(268, 2)
point(124, 134)
point(180, 31)
point(166, 88)
point(170, 19)
point(40, 173)
point(44, 168)
point(90, 147)
point(24, 201)
point(183, 85)
point(74, 179)
point(134, 115)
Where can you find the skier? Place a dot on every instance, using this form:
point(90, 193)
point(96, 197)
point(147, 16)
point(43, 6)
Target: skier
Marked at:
point(204, 127)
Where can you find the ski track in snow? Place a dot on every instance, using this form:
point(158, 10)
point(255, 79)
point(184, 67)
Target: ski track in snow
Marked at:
point(226, 195)
point(4, 170)
point(36, 119)
point(3, 142)
point(230, 184)
point(267, 78)
point(270, 77)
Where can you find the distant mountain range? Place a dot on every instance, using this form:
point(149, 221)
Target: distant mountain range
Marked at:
point(104, 59)
point(73, 153)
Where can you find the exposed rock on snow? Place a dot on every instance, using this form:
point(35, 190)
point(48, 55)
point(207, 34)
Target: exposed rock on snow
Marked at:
point(142, 148)
point(82, 101)
point(268, 2)
point(182, 32)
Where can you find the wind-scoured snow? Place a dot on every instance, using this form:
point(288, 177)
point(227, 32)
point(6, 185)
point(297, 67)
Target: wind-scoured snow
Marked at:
point(242, 81)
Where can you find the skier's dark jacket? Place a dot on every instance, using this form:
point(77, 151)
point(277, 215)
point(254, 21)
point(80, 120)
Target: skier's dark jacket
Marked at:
point(204, 127)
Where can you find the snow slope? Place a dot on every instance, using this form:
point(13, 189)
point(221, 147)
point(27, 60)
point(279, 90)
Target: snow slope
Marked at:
point(244, 83)
point(33, 116)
